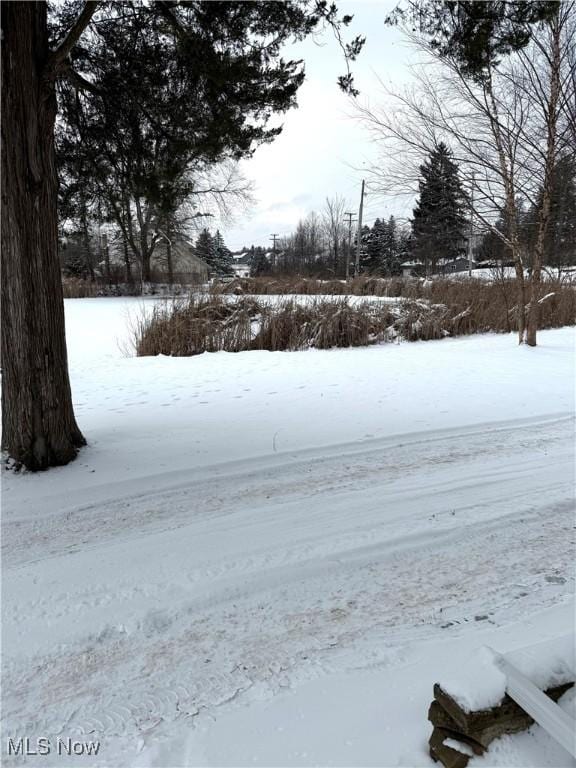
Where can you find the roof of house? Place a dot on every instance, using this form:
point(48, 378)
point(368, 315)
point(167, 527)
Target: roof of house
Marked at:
point(183, 256)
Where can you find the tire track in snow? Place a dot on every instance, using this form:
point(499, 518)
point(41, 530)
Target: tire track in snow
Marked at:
point(28, 540)
point(389, 550)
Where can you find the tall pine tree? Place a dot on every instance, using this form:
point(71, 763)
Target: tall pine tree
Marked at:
point(205, 250)
point(374, 252)
point(439, 221)
point(222, 256)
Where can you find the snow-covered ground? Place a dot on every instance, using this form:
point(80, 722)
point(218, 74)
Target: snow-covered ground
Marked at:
point(509, 273)
point(269, 558)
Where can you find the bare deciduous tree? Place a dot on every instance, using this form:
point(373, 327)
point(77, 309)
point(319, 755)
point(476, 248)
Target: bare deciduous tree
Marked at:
point(334, 228)
point(506, 132)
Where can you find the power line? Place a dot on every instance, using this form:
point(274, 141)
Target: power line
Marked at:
point(274, 237)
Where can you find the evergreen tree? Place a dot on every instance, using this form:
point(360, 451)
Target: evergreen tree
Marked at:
point(374, 254)
point(390, 251)
point(259, 264)
point(366, 264)
point(403, 246)
point(476, 33)
point(439, 222)
point(205, 250)
point(223, 260)
point(381, 254)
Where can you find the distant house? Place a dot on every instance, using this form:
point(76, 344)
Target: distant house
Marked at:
point(187, 268)
point(242, 262)
point(410, 268)
point(242, 258)
point(443, 267)
point(241, 270)
point(460, 264)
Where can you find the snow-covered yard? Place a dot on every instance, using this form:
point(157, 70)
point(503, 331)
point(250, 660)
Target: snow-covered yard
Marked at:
point(269, 558)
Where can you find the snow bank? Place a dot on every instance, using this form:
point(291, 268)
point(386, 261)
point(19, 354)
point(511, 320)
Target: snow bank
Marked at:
point(481, 684)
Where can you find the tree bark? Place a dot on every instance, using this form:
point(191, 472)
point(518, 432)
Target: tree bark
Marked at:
point(127, 264)
point(39, 429)
point(520, 283)
point(511, 208)
point(544, 213)
point(146, 273)
point(145, 250)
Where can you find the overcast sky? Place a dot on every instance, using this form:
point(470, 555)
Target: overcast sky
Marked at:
point(322, 148)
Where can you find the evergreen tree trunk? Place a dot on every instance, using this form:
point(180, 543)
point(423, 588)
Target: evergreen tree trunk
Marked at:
point(40, 429)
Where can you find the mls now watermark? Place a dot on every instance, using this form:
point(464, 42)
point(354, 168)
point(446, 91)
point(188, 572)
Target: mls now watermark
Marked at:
point(27, 747)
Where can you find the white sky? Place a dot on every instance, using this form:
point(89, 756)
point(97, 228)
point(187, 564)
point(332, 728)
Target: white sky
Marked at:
point(322, 148)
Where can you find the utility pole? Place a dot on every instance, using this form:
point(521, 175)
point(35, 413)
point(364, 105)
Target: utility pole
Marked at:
point(471, 227)
point(274, 237)
point(349, 251)
point(359, 238)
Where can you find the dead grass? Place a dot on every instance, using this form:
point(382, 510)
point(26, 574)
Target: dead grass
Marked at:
point(76, 288)
point(194, 325)
point(358, 286)
point(479, 307)
point(320, 324)
point(211, 324)
point(433, 310)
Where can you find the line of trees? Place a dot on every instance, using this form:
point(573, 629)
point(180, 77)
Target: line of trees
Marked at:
point(438, 231)
point(325, 246)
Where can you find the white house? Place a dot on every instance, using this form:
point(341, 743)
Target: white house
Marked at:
point(241, 270)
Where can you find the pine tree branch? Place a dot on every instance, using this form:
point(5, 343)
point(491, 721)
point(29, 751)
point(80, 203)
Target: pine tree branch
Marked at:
point(80, 82)
point(165, 8)
point(61, 53)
